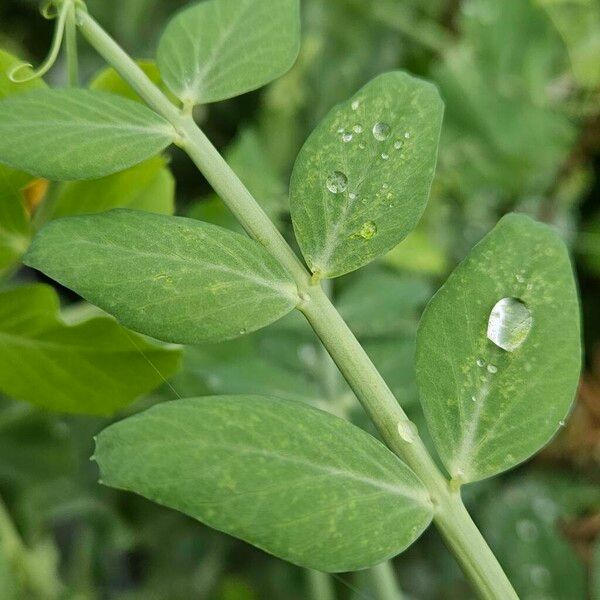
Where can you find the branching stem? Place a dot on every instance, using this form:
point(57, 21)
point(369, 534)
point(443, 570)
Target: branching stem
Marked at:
point(460, 533)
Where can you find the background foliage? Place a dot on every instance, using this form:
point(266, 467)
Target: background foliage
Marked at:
point(521, 83)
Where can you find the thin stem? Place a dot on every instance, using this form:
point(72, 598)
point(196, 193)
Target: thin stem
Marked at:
point(320, 585)
point(459, 531)
point(384, 582)
point(71, 47)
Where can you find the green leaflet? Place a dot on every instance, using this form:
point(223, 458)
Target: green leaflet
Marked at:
point(577, 22)
point(223, 48)
point(173, 278)
point(92, 368)
point(487, 408)
point(297, 482)
point(148, 186)
point(7, 87)
point(362, 180)
point(108, 80)
point(15, 229)
point(78, 134)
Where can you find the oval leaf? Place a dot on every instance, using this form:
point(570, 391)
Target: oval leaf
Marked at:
point(295, 481)
point(95, 367)
point(176, 279)
point(362, 180)
point(498, 351)
point(78, 134)
point(223, 48)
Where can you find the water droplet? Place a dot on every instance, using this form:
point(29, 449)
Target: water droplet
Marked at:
point(243, 331)
point(480, 362)
point(408, 431)
point(527, 530)
point(474, 398)
point(355, 105)
point(509, 324)
point(492, 369)
point(381, 131)
point(361, 146)
point(337, 182)
point(341, 130)
point(352, 196)
point(562, 424)
point(357, 129)
point(367, 231)
point(407, 135)
point(347, 137)
point(398, 144)
point(385, 155)
point(520, 278)
point(540, 576)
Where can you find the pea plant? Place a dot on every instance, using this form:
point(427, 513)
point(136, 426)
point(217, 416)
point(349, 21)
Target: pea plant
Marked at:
point(498, 346)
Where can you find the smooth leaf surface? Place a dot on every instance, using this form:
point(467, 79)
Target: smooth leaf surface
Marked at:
point(218, 49)
point(488, 409)
point(297, 482)
point(78, 134)
point(362, 180)
point(95, 367)
point(173, 278)
point(148, 186)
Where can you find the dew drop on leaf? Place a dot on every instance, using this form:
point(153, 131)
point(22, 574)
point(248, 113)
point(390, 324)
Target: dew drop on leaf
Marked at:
point(480, 362)
point(492, 369)
point(509, 324)
point(407, 431)
point(347, 137)
point(366, 232)
point(385, 156)
point(381, 131)
point(337, 182)
point(398, 144)
point(357, 129)
point(355, 105)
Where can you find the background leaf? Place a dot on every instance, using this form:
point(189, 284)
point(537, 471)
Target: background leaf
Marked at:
point(77, 134)
point(297, 482)
point(487, 408)
point(175, 279)
point(223, 48)
point(362, 180)
point(95, 367)
point(148, 186)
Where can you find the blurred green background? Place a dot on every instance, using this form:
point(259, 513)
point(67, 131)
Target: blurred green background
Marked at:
point(521, 82)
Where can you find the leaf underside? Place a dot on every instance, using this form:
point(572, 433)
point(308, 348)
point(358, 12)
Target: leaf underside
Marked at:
point(299, 483)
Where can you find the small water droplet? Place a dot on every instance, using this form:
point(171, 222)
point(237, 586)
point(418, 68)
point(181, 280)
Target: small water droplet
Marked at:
point(361, 146)
point(243, 331)
point(352, 196)
point(366, 232)
point(562, 424)
point(408, 431)
point(480, 362)
point(540, 576)
point(398, 144)
point(337, 182)
point(492, 369)
point(347, 137)
point(407, 135)
point(341, 130)
point(474, 398)
point(355, 105)
point(520, 278)
point(385, 156)
point(357, 129)
point(509, 324)
point(381, 131)
point(527, 530)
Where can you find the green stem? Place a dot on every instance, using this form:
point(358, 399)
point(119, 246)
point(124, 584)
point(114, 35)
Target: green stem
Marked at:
point(384, 582)
point(459, 531)
point(320, 585)
point(71, 47)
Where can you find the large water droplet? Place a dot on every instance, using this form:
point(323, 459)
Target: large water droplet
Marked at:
point(408, 431)
point(337, 182)
point(381, 131)
point(509, 324)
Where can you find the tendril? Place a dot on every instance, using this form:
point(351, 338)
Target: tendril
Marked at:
point(16, 74)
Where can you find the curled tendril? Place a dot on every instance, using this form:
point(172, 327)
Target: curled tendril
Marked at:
point(16, 74)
